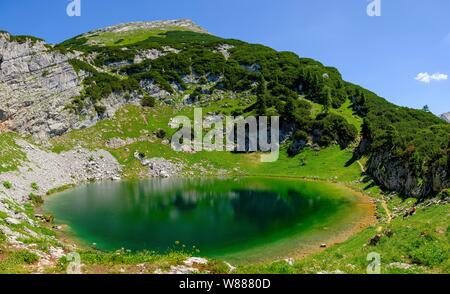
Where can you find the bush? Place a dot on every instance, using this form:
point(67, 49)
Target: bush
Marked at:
point(330, 128)
point(127, 97)
point(7, 185)
point(34, 186)
point(35, 199)
point(427, 251)
point(148, 101)
point(444, 194)
point(49, 218)
point(100, 109)
point(24, 256)
point(300, 135)
point(160, 133)
point(302, 160)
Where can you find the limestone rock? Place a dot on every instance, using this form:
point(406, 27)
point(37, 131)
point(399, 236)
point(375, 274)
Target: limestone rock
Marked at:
point(446, 117)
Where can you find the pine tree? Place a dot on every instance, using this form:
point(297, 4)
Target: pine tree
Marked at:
point(261, 97)
point(289, 109)
point(328, 100)
point(391, 135)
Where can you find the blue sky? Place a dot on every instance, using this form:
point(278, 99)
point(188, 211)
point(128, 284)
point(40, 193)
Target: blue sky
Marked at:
point(384, 54)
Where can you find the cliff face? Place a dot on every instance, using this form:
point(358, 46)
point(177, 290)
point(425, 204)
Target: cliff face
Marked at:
point(36, 83)
point(396, 175)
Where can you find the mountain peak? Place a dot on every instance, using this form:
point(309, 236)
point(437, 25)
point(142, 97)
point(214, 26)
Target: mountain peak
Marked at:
point(182, 24)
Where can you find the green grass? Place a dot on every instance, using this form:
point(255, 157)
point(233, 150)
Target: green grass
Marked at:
point(138, 122)
point(10, 153)
point(130, 37)
point(17, 261)
point(326, 164)
point(422, 241)
point(345, 111)
point(23, 261)
point(123, 261)
point(60, 189)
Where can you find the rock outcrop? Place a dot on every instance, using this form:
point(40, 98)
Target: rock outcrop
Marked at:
point(37, 83)
point(183, 24)
point(160, 167)
point(446, 117)
point(68, 168)
point(396, 175)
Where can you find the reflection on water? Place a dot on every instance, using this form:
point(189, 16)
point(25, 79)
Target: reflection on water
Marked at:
point(211, 214)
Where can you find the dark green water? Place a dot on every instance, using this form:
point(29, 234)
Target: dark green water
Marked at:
point(250, 218)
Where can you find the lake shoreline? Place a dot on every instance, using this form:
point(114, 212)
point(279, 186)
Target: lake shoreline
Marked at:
point(364, 202)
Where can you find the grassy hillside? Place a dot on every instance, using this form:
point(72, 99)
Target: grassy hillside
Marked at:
point(312, 98)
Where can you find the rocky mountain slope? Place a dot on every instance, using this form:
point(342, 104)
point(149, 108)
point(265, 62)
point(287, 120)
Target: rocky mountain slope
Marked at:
point(446, 117)
point(97, 107)
point(164, 25)
point(37, 83)
point(47, 91)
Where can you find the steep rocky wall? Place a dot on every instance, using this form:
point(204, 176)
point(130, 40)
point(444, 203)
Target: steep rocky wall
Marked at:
point(396, 175)
point(37, 82)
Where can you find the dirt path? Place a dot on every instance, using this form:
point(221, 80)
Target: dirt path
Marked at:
point(145, 120)
point(383, 202)
point(361, 166)
point(388, 212)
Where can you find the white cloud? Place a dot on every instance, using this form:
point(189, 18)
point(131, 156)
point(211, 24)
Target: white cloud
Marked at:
point(425, 77)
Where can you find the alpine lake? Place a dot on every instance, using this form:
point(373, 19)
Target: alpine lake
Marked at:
point(245, 220)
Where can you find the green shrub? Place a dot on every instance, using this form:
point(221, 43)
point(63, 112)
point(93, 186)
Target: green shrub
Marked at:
point(100, 109)
point(60, 189)
point(444, 194)
point(428, 252)
point(24, 39)
point(148, 101)
point(160, 133)
point(34, 186)
point(7, 185)
point(35, 199)
point(302, 160)
point(49, 218)
point(331, 128)
point(300, 135)
point(24, 256)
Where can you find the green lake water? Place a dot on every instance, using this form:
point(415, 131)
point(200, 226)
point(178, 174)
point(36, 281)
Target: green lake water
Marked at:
point(246, 219)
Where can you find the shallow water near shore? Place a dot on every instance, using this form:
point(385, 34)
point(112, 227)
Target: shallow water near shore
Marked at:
point(241, 220)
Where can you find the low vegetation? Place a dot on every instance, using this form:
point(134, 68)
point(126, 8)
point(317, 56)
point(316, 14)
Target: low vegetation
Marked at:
point(10, 153)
